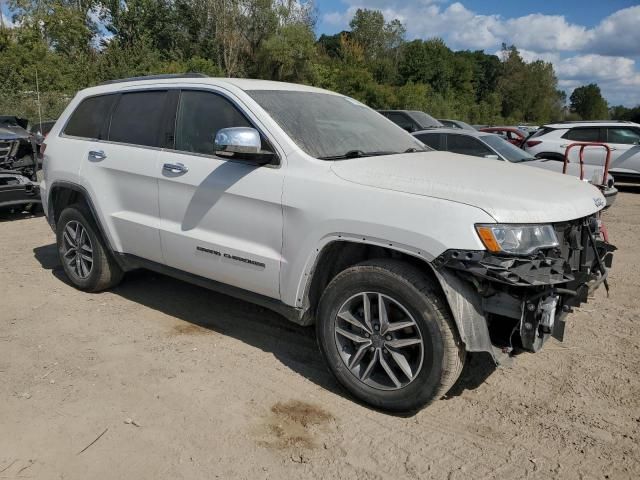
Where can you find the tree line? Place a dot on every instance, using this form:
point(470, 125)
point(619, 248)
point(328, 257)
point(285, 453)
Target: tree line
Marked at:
point(72, 44)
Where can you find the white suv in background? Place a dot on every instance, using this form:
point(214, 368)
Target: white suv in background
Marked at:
point(309, 203)
point(550, 141)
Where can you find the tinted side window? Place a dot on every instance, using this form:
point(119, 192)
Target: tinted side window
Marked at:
point(431, 139)
point(467, 146)
point(200, 116)
point(402, 121)
point(90, 117)
point(627, 136)
point(136, 118)
point(583, 134)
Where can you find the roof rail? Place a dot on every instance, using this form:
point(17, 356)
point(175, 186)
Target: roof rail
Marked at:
point(156, 77)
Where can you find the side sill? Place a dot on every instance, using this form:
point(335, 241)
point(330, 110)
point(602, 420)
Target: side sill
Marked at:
point(132, 262)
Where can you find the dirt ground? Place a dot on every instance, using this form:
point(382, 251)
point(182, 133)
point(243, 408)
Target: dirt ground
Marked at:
point(160, 379)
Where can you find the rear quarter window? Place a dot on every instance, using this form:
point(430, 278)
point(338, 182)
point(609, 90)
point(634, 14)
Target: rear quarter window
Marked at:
point(89, 119)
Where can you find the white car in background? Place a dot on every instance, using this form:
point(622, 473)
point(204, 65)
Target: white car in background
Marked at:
point(551, 141)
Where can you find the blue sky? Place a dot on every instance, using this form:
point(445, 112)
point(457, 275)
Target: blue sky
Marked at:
point(587, 41)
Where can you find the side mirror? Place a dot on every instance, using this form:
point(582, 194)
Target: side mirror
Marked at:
point(492, 157)
point(241, 143)
point(238, 140)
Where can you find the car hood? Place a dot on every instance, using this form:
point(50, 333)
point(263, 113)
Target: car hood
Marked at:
point(13, 133)
point(507, 192)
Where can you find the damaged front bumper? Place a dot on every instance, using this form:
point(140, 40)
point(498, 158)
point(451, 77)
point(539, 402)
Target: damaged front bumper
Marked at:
point(502, 303)
point(17, 190)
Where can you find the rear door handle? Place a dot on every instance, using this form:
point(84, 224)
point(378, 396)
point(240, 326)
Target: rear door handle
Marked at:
point(97, 155)
point(175, 168)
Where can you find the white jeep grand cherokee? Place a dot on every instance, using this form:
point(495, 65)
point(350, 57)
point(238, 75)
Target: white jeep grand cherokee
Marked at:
point(311, 204)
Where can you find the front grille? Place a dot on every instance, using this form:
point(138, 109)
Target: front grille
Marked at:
point(575, 244)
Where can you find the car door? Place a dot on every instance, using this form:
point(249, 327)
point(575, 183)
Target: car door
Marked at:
point(625, 149)
point(592, 155)
point(121, 172)
point(220, 218)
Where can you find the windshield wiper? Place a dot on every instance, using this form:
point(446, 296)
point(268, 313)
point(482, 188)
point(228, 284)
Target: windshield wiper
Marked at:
point(355, 154)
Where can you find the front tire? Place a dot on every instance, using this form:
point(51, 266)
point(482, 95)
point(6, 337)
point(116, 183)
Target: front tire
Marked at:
point(388, 337)
point(82, 252)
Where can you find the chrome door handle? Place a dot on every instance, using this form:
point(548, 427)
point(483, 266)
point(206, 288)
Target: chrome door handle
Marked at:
point(175, 168)
point(97, 155)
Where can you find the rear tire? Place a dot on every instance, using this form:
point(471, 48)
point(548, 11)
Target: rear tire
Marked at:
point(420, 329)
point(84, 256)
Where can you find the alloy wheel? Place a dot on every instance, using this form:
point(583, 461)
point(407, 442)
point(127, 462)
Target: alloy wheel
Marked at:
point(77, 250)
point(379, 341)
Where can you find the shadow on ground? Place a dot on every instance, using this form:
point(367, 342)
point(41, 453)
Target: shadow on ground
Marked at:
point(293, 345)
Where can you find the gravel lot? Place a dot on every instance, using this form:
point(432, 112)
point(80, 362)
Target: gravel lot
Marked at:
point(177, 382)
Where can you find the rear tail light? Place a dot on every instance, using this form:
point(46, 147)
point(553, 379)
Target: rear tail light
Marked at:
point(533, 143)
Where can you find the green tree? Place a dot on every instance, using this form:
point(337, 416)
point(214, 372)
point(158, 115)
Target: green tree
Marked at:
point(428, 62)
point(588, 102)
point(286, 56)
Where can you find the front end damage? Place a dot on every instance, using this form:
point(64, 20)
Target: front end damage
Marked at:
point(504, 304)
point(18, 165)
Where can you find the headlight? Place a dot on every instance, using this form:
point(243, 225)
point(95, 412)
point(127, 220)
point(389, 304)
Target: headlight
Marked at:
point(517, 239)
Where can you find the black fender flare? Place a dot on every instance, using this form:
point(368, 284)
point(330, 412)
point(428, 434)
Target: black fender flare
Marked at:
point(89, 201)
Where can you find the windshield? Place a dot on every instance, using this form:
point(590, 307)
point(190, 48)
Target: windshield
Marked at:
point(332, 126)
point(506, 149)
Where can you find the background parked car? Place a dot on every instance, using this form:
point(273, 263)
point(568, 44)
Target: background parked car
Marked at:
point(17, 164)
point(491, 146)
point(623, 138)
point(528, 129)
point(17, 146)
point(411, 120)
point(511, 134)
point(18, 191)
point(456, 124)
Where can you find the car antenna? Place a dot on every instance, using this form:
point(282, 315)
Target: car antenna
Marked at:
point(38, 101)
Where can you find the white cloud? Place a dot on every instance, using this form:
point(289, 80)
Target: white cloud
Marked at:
point(545, 33)
point(617, 34)
point(596, 67)
point(618, 77)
